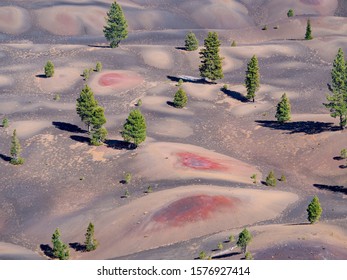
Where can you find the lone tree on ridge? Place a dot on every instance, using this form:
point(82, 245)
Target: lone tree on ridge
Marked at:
point(90, 243)
point(314, 210)
point(15, 150)
point(60, 249)
point(85, 106)
point(180, 99)
point(49, 69)
point(337, 100)
point(211, 62)
point(191, 43)
point(134, 129)
point(252, 80)
point(116, 28)
point(245, 238)
point(283, 109)
point(308, 34)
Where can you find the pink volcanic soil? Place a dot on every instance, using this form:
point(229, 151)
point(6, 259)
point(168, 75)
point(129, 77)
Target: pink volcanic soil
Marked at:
point(117, 79)
point(192, 209)
point(195, 161)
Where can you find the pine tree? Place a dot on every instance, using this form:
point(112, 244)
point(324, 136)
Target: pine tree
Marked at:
point(271, 179)
point(180, 99)
point(134, 129)
point(308, 34)
point(245, 238)
point(252, 81)
point(290, 13)
point(211, 63)
point(283, 109)
point(337, 101)
point(15, 150)
point(5, 123)
point(85, 106)
point(191, 43)
point(314, 210)
point(60, 249)
point(98, 136)
point(116, 28)
point(49, 69)
point(90, 243)
point(98, 66)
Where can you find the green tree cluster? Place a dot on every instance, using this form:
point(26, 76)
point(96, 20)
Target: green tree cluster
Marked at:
point(191, 43)
point(314, 210)
point(252, 80)
point(283, 111)
point(211, 61)
point(15, 150)
point(116, 28)
point(49, 69)
point(60, 249)
point(337, 100)
point(245, 238)
point(134, 129)
point(180, 98)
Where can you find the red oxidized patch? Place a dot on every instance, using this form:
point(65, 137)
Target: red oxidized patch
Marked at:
point(192, 209)
point(198, 162)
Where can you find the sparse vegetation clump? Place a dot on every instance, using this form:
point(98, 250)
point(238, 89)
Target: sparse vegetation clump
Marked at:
point(126, 193)
point(90, 243)
point(314, 210)
point(290, 13)
point(98, 67)
point(191, 43)
point(271, 179)
point(15, 150)
point(86, 74)
point(127, 178)
point(231, 238)
point(254, 178)
point(245, 238)
point(180, 98)
point(49, 69)
point(337, 100)
point(343, 153)
point(56, 97)
point(85, 106)
point(252, 80)
point(60, 249)
point(211, 61)
point(149, 189)
point(220, 246)
point(308, 34)
point(202, 255)
point(283, 178)
point(134, 129)
point(139, 103)
point(283, 112)
point(5, 123)
point(264, 27)
point(179, 83)
point(233, 43)
point(116, 28)
point(248, 256)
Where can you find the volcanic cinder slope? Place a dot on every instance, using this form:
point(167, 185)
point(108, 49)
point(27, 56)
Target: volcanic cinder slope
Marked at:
point(198, 160)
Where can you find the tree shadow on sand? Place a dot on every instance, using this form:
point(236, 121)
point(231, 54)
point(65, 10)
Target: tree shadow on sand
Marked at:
point(78, 247)
point(81, 139)
point(5, 158)
point(68, 127)
point(335, 189)
point(120, 145)
point(47, 250)
point(193, 80)
point(235, 95)
point(307, 127)
point(41, 76)
point(226, 255)
point(99, 46)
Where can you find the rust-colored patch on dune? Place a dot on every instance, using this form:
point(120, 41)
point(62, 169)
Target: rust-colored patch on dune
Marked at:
point(195, 161)
point(193, 209)
point(65, 19)
point(112, 79)
point(311, 2)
